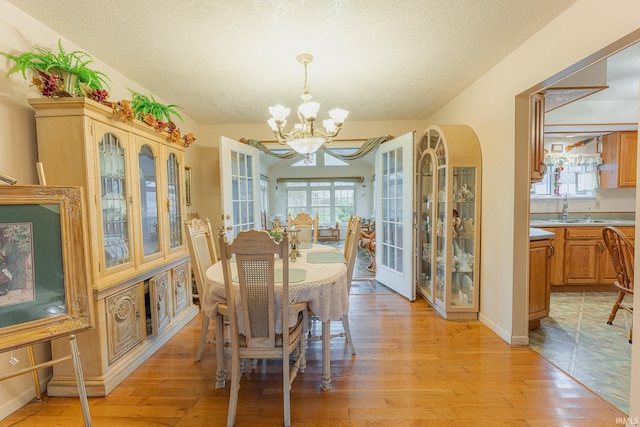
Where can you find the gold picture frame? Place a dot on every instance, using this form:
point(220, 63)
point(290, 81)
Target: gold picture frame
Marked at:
point(45, 289)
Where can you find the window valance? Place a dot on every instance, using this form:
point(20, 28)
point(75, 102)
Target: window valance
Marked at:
point(369, 146)
point(556, 159)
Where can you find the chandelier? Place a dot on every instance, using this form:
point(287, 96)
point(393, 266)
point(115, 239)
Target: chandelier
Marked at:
point(304, 137)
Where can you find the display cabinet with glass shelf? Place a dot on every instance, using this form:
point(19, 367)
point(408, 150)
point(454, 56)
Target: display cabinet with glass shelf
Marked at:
point(449, 191)
point(133, 178)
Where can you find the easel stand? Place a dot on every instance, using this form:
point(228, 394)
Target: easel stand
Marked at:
point(75, 356)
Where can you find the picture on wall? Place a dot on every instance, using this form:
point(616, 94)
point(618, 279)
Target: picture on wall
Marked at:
point(16, 263)
point(44, 290)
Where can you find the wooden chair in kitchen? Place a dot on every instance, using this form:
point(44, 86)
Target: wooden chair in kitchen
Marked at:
point(203, 255)
point(307, 227)
point(621, 251)
point(253, 310)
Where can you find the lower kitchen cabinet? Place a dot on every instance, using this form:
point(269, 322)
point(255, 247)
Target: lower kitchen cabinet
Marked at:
point(586, 259)
point(540, 255)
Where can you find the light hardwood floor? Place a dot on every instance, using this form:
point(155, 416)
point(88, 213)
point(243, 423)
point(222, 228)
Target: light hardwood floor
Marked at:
point(412, 369)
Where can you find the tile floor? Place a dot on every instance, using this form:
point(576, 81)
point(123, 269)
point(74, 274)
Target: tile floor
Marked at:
point(576, 338)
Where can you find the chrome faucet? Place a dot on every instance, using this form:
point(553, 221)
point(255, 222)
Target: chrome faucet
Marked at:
point(565, 207)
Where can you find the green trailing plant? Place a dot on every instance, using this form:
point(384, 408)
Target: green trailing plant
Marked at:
point(43, 60)
point(143, 105)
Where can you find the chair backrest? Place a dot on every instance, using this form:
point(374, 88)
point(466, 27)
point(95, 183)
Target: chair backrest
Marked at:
point(348, 237)
point(307, 227)
point(255, 253)
point(621, 251)
point(352, 254)
point(202, 250)
point(351, 246)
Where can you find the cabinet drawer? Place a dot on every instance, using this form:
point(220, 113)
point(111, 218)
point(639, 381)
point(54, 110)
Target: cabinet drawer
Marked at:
point(593, 233)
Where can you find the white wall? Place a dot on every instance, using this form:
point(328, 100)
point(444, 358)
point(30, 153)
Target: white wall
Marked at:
point(489, 107)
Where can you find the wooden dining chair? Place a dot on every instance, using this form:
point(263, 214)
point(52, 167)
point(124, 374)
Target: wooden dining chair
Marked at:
point(307, 227)
point(621, 251)
point(350, 253)
point(203, 255)
point(254, 310)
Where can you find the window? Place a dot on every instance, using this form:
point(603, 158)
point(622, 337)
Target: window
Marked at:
point(573, 174)
point(264, 192)
point(331, 200)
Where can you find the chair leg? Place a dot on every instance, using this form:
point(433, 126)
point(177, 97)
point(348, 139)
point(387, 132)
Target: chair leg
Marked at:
point(303, 341)
point(203, 335)
point(286, 387)
point(347, 331)
point(615, 308)
point(221, 374)
point(233, 394)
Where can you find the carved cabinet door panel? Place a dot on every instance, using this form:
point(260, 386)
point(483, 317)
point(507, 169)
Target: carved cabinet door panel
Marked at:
point(123, 321)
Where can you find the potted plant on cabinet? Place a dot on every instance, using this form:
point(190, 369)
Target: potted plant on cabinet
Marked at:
point(59, 73)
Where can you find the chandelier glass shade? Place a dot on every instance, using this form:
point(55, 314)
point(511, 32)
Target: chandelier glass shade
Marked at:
point(305, 137)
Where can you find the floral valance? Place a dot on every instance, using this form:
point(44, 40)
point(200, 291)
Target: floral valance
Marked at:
point(563, 160)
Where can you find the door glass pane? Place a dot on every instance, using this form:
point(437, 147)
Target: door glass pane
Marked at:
point(242, 188)
point(114, 201)
point(175, 214)
point(148, 200)
point(390, 244)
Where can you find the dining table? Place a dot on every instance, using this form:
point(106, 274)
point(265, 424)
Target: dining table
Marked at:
point(318, 276)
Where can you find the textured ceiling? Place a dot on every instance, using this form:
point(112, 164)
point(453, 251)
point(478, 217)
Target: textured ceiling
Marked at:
point(226, 61)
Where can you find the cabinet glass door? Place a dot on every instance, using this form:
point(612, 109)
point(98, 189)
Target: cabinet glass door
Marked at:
point(175, 210)
point(148, 200)
point(427, 185)
point(463, 236)
point(441, 235)
point(114, 195)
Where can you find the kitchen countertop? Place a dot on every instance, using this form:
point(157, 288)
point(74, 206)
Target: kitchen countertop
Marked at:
point(581, 222)
point(539, 234)
point(583, 219)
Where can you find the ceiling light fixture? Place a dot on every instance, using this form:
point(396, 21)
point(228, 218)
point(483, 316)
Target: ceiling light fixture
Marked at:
point(304, 137)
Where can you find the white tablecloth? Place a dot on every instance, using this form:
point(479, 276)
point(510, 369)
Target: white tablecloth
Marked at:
point(324, 287)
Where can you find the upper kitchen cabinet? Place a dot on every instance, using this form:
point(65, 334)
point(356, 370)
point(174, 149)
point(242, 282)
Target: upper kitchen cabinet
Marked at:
point(618, 169)
point(537, 137)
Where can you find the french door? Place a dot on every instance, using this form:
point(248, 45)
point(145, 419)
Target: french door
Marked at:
point(394, 215)
point(240, 186)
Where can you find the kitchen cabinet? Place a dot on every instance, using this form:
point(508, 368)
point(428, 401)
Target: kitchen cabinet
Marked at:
point(537, 137)
point(586, 259)
point(540, 255)
point(449, 200)
point(618, 169)
point(133, 178)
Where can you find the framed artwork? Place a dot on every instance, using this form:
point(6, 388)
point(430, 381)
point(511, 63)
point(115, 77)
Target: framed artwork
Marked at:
point(187, 184)
point(44, 291)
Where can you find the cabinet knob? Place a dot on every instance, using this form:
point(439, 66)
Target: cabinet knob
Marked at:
point(552, 250)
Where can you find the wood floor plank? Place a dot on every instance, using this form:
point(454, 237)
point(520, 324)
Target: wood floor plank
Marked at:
point(413, 368)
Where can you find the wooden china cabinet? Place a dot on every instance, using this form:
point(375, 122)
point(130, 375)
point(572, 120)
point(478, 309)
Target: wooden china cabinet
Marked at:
point(449, 196)
point(139, 265)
